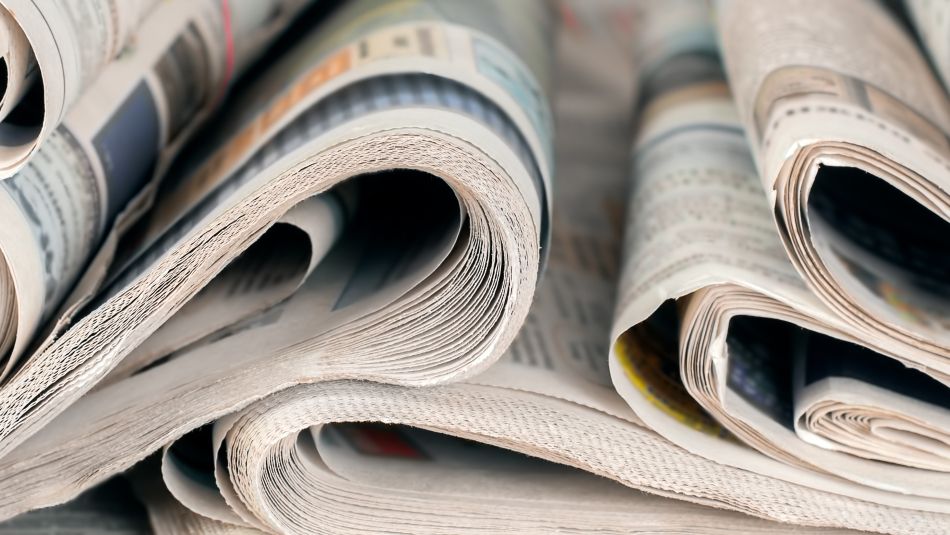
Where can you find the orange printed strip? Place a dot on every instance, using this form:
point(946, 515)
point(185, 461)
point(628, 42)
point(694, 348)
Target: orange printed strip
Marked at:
point(233, 151)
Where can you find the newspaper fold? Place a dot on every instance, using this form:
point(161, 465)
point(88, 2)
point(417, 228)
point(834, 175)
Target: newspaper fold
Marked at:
point(829, 117)
point(866, 405)
point(404, 152)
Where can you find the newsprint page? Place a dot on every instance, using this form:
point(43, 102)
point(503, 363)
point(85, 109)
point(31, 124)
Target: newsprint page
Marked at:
point(474, 267)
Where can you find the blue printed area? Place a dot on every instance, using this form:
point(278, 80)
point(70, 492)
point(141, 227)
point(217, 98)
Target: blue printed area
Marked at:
point(128, 147)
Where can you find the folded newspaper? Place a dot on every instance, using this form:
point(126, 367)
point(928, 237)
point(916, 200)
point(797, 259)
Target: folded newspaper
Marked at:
point(828, 371)
point(753, 316)
point(372, 203)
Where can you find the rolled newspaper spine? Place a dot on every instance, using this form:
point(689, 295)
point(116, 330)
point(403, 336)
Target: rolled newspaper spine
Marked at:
point(50, 53)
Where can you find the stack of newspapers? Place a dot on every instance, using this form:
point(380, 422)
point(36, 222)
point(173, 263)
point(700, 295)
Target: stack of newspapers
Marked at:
point(474, 266)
